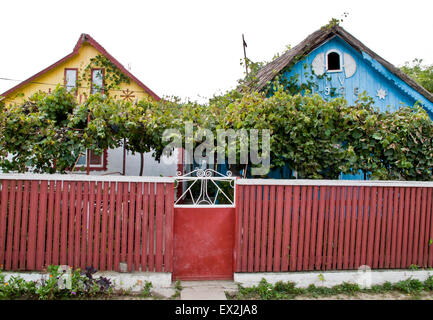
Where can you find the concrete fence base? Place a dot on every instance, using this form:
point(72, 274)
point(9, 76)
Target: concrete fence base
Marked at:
point(364, 278)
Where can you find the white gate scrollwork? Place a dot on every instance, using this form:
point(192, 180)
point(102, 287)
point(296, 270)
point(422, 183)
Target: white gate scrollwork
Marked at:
point(204, 180)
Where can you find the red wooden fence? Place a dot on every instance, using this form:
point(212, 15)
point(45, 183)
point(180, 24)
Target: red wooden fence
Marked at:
point(88, 221)
point(296, 226)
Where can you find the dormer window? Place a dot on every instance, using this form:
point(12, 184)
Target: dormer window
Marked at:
point(333, 61)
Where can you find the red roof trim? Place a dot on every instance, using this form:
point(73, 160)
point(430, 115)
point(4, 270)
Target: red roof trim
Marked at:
point(85, 38)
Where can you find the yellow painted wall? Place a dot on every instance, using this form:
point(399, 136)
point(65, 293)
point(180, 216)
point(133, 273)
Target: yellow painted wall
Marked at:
point(55, 76)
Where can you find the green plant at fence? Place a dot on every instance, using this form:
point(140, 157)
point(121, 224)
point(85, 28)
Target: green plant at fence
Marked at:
point(288, 290)
point(83, 285)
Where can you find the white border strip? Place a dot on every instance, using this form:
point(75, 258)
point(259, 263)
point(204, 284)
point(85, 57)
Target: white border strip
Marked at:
point(300, 182)
point(76, 177)
point(332, 278)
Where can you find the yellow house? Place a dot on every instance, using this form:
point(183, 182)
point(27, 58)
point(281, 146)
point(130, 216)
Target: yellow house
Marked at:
point(87, 69)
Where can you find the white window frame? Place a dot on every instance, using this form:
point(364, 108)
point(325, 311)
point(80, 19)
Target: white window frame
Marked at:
point(341, 60)
point(97, 166)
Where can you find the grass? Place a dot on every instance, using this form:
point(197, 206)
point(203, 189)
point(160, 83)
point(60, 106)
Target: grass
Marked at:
point(413, 288)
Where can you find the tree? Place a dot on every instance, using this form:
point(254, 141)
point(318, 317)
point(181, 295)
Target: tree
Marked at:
point(421, 73)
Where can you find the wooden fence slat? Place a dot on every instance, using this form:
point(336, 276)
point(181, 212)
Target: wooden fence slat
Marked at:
point(353, 226)
point(137, 225)
point(422, 243)
point(430, 235)
point(391, 227)
point(238, 231)
point(400, 226)
point(295, 230)
point(3, 217)
point(306, 253)
point(78, 216)
point(384, 223)
point(50, 222)
point(125, 206)
point(145, 228)
point(286, 227)
point(71, 224)
point(245, 234)
point(104, 222)
point(159, 222)
point(326, 229)
point(264, 237)
point(416, 228)
point(376, 255)
point(64, 223)
point(427, 229)
point(10, 226)
point(407, 213)
point(347, 222)
point(57, 221)
point(271, 222)
point(151, 256)
point(169, 212)
point(300, 253)
point(359, 220)
point(41, 236)
point(131, 218)
point(17, 225)
point(97, 224)
point(366, 213)
point(278, 229)
point(335, 242)
point(258, 224)
point(411, 231)
point(323, 191)
point(84, 229)
point(118, 225)
point(110, 254)
point(91, 223)
point(313, 233)
point(371, 226)
point(33, 220)
point(331, 216)
point(251, 219)
point(341, 226)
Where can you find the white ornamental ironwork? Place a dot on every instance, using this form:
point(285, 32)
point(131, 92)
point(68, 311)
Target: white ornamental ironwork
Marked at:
point(205, 178)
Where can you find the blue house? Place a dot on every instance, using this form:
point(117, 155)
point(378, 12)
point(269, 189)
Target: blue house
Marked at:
point(333, 63)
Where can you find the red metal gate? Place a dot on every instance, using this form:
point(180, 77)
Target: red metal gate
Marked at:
point(203, 243)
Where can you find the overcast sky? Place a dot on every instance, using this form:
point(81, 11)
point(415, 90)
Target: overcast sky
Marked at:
point(193, 48)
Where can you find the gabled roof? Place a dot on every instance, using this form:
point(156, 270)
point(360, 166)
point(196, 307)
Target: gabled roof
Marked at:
point(83, 39)
point(314, 40)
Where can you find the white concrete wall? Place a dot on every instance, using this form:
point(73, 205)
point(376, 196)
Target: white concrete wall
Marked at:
point(332, 278)
point(166, 167)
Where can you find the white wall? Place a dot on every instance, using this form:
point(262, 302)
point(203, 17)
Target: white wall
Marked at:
point(151, 166)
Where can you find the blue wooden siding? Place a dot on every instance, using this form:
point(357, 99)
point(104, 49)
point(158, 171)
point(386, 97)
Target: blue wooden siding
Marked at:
point(370, 76)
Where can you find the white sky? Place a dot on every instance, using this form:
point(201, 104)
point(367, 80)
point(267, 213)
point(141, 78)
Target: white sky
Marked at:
point(193, 48)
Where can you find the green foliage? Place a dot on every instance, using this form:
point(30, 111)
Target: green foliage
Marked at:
point(82, 285)
point(146, 292)
point(113, 75)
point(421, 73)
point(288, 290)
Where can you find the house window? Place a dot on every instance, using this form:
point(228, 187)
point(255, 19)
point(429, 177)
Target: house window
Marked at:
point(97, 80)
point(71, 76)
point(333, 61)
point(97, 162)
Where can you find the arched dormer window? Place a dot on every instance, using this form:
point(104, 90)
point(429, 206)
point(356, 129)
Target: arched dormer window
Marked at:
point(333, 61)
